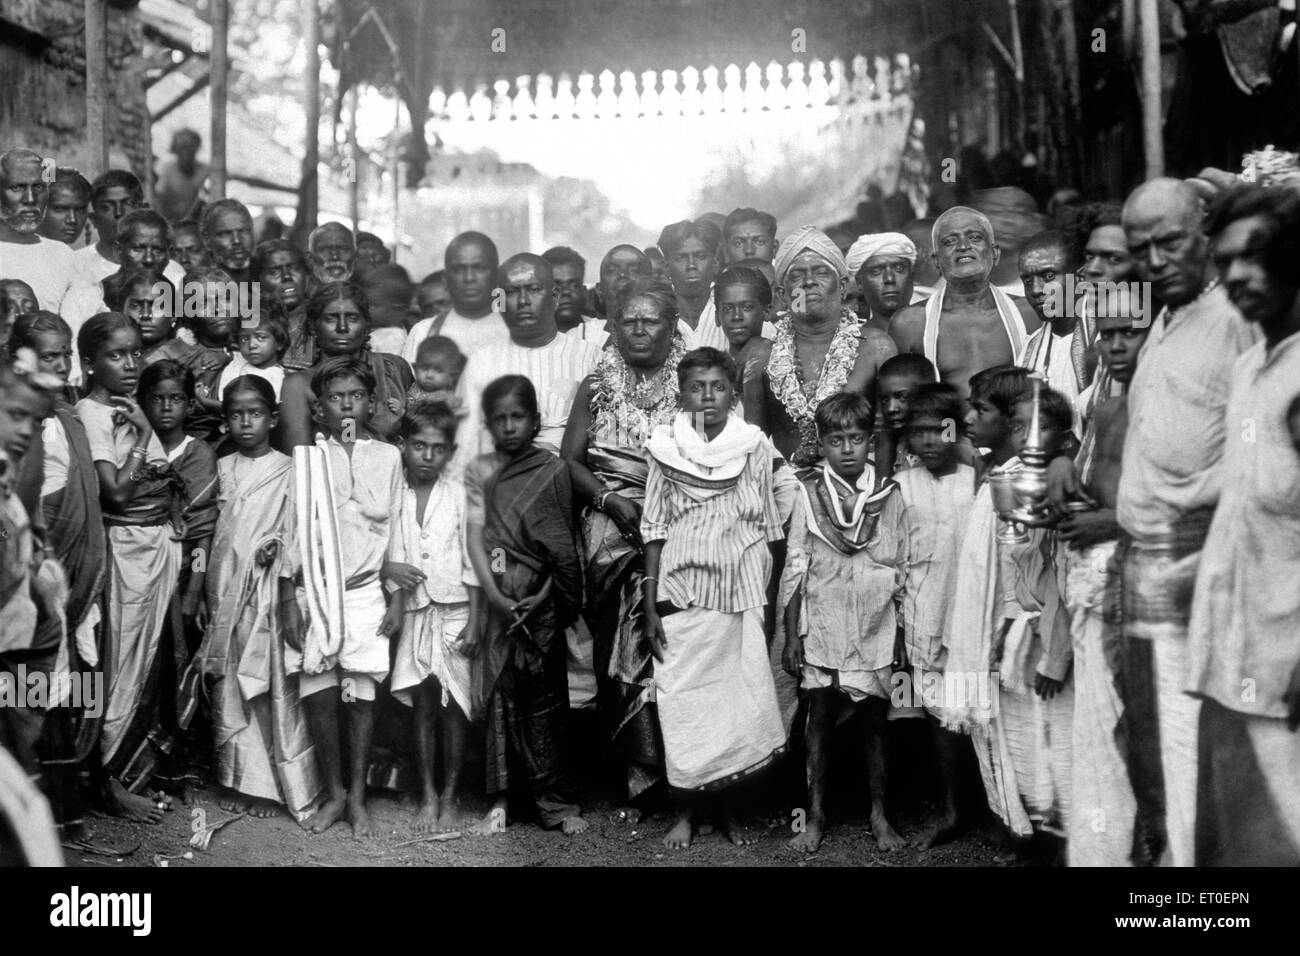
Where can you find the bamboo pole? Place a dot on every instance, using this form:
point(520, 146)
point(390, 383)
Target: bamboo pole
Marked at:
point(97, 85)
point(220, 65)
point(1152, 132)
point(354, 182)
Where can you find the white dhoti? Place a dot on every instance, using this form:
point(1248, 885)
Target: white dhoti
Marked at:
point(716, 700)
point(430, 647)
point(1179, 715)
point(1101, 826)
point(362, 660)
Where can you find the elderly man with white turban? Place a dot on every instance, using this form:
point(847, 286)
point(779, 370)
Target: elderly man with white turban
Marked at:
point(970, 324)
point(819, 347)
point(882, 265)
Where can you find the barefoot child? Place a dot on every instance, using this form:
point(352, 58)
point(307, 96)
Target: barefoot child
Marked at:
point(1100, 787)
point(523, 546)
point(144, 553)
point(431, 668)
point(339, 626)
point(264, 755)
point(842, 575)
point(937, 498)
point(709, 521)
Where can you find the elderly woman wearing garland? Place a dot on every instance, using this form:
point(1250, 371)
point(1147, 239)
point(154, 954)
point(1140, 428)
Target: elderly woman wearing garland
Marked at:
point(821, 348)
point(633, 389)
point(338, 315)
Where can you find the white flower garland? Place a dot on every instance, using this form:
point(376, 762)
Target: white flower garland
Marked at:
point(787, 386)
point(636, 407)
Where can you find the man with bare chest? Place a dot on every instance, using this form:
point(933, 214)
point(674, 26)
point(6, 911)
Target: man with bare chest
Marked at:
point(819, 349)
point(970, 324)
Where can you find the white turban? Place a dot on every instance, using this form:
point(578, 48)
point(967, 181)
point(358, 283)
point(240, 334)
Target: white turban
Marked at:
point(879, 244)
point(808, 239)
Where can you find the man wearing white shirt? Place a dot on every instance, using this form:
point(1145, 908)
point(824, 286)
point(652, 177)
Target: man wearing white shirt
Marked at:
point(690, 249)
point(48, 266)
point(554, 362)
point(470, 264)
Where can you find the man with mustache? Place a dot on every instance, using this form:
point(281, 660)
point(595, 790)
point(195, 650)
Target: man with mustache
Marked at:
point(1246, 611)
point(48, 266)
point(1062, 350)
point(970, 324)
point(333, 252)
point(227, 231)
point(556, 363)
point(474, 324)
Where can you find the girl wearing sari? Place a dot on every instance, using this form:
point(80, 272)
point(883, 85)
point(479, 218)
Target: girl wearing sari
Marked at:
point(144, 553)
point(264, 753)
point(338, 315)
point(522, 545)
point(632, 392)
point(74, 531)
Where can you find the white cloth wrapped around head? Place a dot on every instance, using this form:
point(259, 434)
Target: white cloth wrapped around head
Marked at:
point(808, 239)
point(879, 244)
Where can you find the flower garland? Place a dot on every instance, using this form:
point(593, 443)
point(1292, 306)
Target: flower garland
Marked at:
point(790, 390)
point(633, 408)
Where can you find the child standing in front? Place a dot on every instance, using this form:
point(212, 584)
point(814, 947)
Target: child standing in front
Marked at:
point(339, 625)
point(431, 669)
point(937, 498)
point(264, 755)
point(843, 575)
point(709, 522)
point(523, 546)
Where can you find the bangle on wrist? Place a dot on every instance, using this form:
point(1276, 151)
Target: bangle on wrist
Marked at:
point(649, 577)
point(600, 501)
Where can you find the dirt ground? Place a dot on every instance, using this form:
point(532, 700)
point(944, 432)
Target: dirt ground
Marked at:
point(281, 842)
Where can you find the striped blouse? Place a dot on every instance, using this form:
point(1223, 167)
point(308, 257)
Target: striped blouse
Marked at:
point(715, 552)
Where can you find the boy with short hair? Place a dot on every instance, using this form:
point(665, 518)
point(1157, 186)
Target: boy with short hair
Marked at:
point(431, 671)
point(743, 299)
point(898, 375)
point(843, 572)
point(337, 625)
point(1101, 786)
point(937, 498)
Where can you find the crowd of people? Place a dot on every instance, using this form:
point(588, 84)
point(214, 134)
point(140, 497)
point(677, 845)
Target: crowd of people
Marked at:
point(743, 486)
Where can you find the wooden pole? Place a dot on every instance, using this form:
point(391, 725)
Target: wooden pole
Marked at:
point(354, 167)
point(220, 59)
point(1152, 114)
point(397, 177)
point(311, 155)
point(97, 85)
point(1018, 53)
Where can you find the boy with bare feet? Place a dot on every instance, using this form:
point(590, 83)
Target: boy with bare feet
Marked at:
point(431, 670)
point(842, 575)
point(337, 626)
point(936, 500)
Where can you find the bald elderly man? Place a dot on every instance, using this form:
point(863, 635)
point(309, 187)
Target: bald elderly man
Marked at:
point(818, 348)
point(970, 324)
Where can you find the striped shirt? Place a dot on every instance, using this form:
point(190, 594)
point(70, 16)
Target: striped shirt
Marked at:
point(556, 369)
point(715, 551)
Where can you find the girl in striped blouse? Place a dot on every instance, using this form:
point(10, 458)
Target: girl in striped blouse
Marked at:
point(709, 521)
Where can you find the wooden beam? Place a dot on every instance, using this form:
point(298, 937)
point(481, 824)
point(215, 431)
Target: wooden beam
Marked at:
point(354, 167)
point(97, 85)
point(1152, 114)
point(199, 85)
point(168, 66)
point(220, 59)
